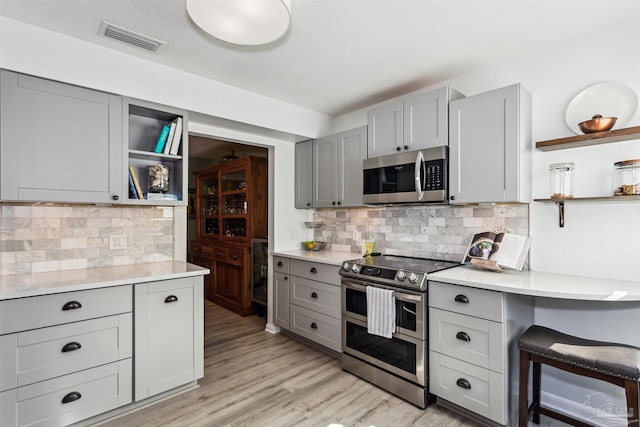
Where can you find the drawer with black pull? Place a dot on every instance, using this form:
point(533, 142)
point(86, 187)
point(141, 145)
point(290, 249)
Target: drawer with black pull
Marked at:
point(315, 271)
point(47, 310)
point(314, 295)
point(281, 264)
point(465, 300)
point(40, 354)
point(324, 330)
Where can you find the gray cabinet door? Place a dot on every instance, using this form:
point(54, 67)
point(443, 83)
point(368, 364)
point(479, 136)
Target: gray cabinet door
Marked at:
point(325, 171)
point(281, 306)
point(385, 129)
point(59, 142)
point(488, 146)
point(304, 174)
point(352, 149)
point(426, 120)
point(168, 330)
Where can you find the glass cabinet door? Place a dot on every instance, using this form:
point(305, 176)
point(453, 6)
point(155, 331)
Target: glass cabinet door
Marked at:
point(209, 211)
point(234, 181)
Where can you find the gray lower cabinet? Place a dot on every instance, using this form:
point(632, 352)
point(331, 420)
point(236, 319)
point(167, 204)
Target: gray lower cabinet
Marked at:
point(65, 357)
point(281, 291)
point(58, 142)
point(313, 302)
point(169, 334)
point(337, 169)
point(304, 174)
point(490, 147)
point(415, 122)
point(473, 357)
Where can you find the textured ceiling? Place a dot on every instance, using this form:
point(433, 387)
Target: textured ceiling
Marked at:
point(340, 55)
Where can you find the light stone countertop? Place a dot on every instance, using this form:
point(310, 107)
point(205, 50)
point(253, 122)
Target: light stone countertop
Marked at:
point(540, 284)
point(325, 257)
point(35, 284)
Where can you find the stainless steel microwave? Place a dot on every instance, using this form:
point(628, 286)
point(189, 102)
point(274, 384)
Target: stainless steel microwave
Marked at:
point(410, 177)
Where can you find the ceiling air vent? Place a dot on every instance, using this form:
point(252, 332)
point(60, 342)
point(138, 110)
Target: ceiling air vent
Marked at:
point(130, 37)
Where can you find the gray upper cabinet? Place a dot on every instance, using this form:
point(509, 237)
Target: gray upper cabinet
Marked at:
point(58, 142)
point(415, 122)
point(337, 169)
point(304, 174)
point(490, 147)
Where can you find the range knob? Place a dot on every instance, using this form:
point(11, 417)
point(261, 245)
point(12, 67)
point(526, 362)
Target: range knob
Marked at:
point(355, 268)
point(413, 277)
point(346, 266)
point(401, 275)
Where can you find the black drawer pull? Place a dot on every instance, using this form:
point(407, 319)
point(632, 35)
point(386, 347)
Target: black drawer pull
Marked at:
point(235, 257)
point(71, 305)
point(170, 298)
point(279, 263)
point(313, 270)
point(463, 336)
point(313, 325)
point(461, 298)
point(462, 383)
point(286, 278)
point(314, 295)
point(71, 397)
point(72, 346)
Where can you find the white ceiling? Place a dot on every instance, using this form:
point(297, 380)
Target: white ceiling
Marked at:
point(341, 55)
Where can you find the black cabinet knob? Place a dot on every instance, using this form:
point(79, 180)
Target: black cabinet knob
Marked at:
point(462, 383)
point(406, 147)
point(452, 197)
point(279, 263)
point(235, 257)
point(333, 203)
point(71, 397)
point(463, 336)
point(398, 148)
point(115, 197)
point(71, 305)
point(170, 298)
point(313, 270)
point(313, 325)
point(461, 299)
point(339, 203)
point(314, 295)
point(308, 204)
point(286, 278)
point(72, 346)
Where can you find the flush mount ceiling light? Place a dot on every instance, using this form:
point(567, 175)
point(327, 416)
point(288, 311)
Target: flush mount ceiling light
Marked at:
point(243, 22)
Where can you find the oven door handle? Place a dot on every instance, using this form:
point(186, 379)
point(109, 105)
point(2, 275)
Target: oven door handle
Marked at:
point(418, 175)
point(398, 295)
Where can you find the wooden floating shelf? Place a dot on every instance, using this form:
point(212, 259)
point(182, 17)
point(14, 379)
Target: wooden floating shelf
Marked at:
point(589, 139)
point(590, 199)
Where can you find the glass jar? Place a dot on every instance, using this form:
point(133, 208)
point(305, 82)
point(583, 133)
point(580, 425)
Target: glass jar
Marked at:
point(561, 180)
point(626, 178)
point(158, 179)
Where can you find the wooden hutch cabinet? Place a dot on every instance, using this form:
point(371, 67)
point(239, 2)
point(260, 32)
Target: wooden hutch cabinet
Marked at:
point(231, 209)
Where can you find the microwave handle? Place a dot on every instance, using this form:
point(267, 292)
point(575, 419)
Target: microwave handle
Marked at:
point(418, 175)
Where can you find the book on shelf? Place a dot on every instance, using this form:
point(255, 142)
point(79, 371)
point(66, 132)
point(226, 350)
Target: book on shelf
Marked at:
point(172, 132)
point(177, 137)
point(493, 250)
point(162, 139)
point(136, 183)
point(163, 196)
point(133, 193)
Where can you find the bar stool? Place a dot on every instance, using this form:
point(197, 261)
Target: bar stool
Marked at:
point(618, 364)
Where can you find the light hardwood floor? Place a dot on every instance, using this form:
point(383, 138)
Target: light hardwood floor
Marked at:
point(254, 378)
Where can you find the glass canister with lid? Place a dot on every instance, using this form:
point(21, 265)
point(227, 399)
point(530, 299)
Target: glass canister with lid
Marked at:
point(561, 180)
point(626, 178)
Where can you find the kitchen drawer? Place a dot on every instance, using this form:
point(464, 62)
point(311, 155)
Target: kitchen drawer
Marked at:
point(281, 264)
point(199, 249)
point(315, 271)
point(235, 256)
point(36, 312)
point(476, 389)
point(220, 253)
point(100, 389)
point(462, 299)
point(473, 340)
point(40, 353)
point(314, 295)
point(317, 327)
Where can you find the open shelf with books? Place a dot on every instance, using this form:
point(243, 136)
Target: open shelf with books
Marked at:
point(156, 153)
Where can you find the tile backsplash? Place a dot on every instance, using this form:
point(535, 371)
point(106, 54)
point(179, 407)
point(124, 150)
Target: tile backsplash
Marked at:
point(440, 232)
point(39, 238)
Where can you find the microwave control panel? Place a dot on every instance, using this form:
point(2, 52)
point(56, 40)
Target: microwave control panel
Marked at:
point(435, 175)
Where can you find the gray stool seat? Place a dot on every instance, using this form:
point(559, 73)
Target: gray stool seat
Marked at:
point(617, 364)
point(620, 360)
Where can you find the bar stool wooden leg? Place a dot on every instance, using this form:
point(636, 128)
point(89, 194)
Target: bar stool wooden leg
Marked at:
point(523, 396)
point(631, 391)
point(536, 392)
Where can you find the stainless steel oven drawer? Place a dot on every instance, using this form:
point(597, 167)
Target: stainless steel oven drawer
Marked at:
point(470, 301)
point(324, 330)
point(314, 295)
point(476, 389)
point(315, 271)
point(478, 341)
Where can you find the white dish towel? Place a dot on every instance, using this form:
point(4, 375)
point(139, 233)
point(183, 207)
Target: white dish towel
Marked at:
point(381, 311)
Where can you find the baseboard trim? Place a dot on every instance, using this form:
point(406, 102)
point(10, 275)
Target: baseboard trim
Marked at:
point(272, 328)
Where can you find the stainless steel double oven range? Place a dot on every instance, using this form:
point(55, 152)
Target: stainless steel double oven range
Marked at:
point(398, 364)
